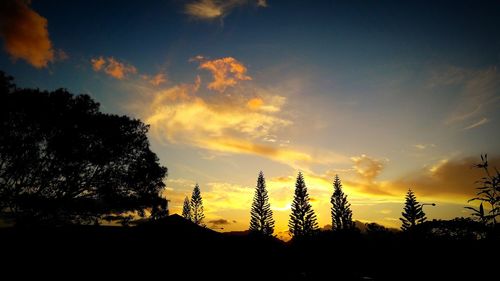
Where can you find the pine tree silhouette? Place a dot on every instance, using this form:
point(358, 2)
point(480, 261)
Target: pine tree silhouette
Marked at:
point(186, 209)
point(341, 209)
point(302, 219)
point(413, 213)
point(197, 215)
point(261, 215)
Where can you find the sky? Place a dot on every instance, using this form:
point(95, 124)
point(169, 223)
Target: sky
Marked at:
point(387, 95)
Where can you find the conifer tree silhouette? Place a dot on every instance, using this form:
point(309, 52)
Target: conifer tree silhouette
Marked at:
point(186, 209)
point(341, 209)
point(302, 219)
point(413, 213)
point(261, 214)
point(197, 215)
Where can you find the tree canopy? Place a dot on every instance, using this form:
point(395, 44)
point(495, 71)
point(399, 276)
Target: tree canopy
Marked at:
point(63, 160)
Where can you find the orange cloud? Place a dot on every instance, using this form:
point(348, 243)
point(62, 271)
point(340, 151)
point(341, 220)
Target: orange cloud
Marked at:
point(255, 103)
point(118, 69)
point(112, 67)
point(25, 33)
point(157, 79)
point(97, 63)
point(226, 72)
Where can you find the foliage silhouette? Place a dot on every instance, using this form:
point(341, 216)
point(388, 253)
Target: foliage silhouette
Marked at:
point(186, 209)
point(341, 209)
point(261, 220)
point(197, 214)
point(413, 213)
point(302, 221)
point(63, 161)
point(488, 192)
point(455, 229)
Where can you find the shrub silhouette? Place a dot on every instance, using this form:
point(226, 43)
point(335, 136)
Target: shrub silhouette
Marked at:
point(488, 192)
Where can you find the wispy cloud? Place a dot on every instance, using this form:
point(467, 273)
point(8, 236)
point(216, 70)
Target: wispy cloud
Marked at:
point(479, 93)
point(217, 9)
point(226, 72)
point(477, 124)
point(25, 33)
point(421, 146)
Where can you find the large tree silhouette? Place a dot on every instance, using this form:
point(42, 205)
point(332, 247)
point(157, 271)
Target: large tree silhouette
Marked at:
point(62, 160)
point(341, 209)
point(261, 220)
point(413, 213)
point(186, 209)
point(302, 219)
point(197, 215)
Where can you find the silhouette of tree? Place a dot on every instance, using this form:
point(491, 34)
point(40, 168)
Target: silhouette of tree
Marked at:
point(186, 209)
point(413, 213)
point(302, 219)
point(489, 192)
point(197, 215)
point(159, 210)
point(341, 209)
point(261, 215)
point(62, 160)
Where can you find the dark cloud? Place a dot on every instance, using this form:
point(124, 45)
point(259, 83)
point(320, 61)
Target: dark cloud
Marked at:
point(219, 222)
point(454, 178)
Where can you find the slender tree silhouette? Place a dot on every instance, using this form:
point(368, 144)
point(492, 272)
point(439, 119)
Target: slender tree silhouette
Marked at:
point(341, 209)
point(261, 220)
point(197, 215)
point(302, 219)
point(186, 210)
point(413, 213)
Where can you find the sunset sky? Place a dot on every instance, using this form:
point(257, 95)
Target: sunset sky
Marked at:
point(389, 96)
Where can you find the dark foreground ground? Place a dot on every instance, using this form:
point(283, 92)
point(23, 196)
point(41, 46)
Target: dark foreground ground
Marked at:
point(178, 250)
